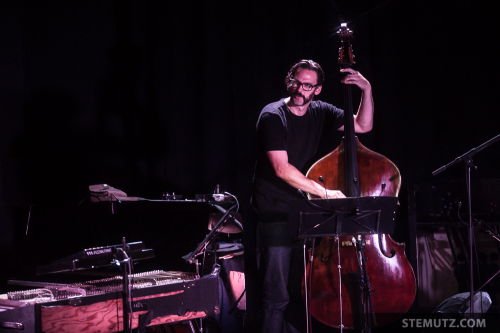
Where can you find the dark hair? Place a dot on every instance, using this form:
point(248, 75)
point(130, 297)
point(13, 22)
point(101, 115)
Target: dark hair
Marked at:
point(306, 64)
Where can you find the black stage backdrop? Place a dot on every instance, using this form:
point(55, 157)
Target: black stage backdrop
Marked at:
point(156, 96)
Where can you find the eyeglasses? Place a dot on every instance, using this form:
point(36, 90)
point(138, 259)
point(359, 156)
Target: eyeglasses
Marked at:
point(296, 84)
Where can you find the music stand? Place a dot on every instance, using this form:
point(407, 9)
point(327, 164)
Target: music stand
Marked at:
point(341, 217)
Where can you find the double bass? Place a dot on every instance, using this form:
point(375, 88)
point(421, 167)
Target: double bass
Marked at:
point(390, 290)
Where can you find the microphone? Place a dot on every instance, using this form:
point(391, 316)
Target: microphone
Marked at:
point(324, 185)
point(299, 191)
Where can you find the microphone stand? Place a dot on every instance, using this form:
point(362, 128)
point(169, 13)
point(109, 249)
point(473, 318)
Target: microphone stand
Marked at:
point(467, 159)
point(225, 219)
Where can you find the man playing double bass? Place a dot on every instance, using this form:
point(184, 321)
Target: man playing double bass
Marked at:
point(288, 135)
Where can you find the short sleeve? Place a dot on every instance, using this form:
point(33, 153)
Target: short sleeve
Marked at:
point(334, 117)
point(271, 132)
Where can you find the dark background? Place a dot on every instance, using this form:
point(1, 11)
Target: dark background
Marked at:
point(156, 96)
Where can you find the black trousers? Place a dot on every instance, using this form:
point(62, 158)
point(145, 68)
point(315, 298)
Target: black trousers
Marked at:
point(280, 264)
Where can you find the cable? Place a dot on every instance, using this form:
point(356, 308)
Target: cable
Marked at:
point(29, 217)
point(458, 213)
point(237, 203)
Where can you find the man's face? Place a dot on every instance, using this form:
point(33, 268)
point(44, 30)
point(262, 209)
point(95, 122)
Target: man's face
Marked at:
point(299, 96)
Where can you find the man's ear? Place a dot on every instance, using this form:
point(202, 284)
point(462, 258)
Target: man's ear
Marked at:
point(317, 90)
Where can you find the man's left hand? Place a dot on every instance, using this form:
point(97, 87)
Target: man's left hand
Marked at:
point(354, 77)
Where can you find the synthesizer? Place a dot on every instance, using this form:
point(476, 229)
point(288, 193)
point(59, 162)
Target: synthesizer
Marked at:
point(97, 257)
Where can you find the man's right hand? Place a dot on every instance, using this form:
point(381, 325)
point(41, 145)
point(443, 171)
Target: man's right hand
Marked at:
point(333, 194)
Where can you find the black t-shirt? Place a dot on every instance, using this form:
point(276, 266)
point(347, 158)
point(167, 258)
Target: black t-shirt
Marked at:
point(279, 129)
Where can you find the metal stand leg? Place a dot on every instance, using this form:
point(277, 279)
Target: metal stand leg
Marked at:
point(306, 288)
point(307, 285)
point(366, 296)
point(340, 282)
point(191, 326)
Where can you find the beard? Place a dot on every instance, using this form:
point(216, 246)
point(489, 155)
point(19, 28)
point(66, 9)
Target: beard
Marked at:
point(305, 100)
